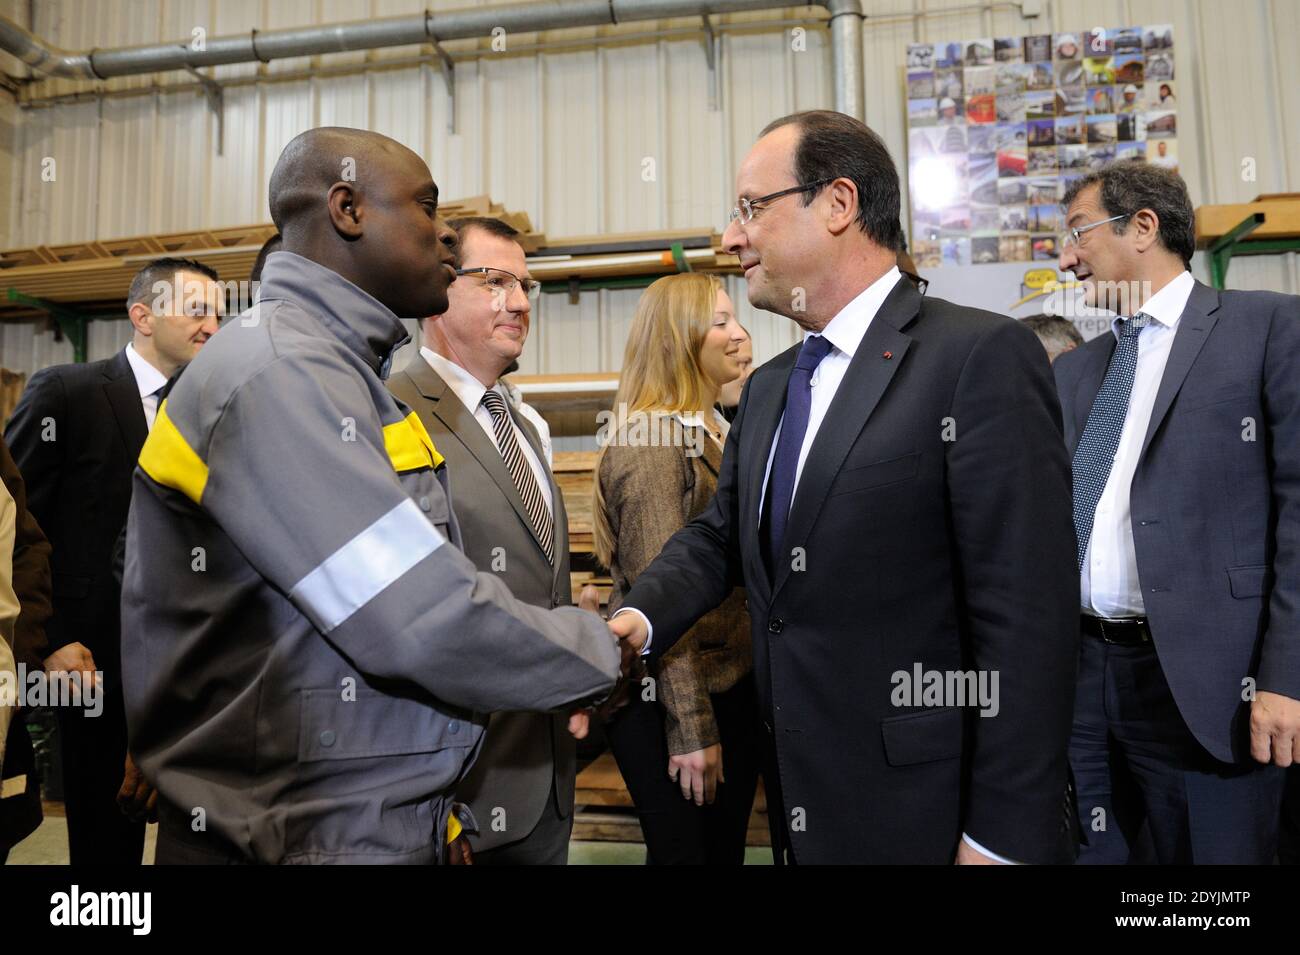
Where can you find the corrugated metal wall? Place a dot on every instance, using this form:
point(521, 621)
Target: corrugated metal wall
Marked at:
point(564, 135)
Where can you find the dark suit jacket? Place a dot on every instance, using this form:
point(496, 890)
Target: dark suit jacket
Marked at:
point(1215, 504)
point(524, 754)
point(76, 435)
point(934, 516)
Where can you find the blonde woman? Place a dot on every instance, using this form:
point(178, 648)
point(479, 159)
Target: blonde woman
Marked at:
point(690, 757)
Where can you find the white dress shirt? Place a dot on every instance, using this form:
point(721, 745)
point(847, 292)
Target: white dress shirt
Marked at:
point(696, 420)
point(1108, 583)
point(470, 391)
point(845, 332)
point(149, 380)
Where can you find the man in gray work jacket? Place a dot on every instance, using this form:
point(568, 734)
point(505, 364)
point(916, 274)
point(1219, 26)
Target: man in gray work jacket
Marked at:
point(307, 654)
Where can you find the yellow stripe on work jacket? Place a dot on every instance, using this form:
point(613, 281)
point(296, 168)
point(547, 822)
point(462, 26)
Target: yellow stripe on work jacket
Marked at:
point(301, 631)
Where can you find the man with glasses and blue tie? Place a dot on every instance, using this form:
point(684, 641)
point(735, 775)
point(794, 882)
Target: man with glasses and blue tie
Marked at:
point(513, 522)
point(894, 496)
point(1183, 425)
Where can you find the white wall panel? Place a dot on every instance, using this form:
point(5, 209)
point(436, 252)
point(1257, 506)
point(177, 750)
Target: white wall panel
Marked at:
point(128, 200)
point(573, 178)
point(344, 102)
point(184, 147)
point(562, 135)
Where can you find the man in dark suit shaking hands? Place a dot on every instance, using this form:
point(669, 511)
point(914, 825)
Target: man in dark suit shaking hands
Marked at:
point(894, 498)
point(1183, 424)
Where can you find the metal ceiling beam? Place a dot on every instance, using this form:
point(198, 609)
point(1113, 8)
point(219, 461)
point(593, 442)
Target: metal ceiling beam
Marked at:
point(428, 27)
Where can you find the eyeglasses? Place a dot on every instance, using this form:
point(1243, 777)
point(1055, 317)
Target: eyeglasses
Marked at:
point(1072, 236)
point(746, 208)
point(503, 283)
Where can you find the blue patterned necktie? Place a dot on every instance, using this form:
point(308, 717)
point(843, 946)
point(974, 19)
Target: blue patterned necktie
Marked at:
point(785, 462)
point(1095, 454)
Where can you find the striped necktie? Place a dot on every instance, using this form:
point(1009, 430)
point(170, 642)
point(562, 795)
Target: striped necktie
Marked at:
point(521, 472)
point(1095, 454)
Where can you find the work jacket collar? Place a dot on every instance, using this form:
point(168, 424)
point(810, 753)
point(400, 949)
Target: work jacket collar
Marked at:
point(356, 317)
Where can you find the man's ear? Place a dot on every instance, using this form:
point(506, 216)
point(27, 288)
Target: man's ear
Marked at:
point(1146, 226)
point(843, 196)
point(345, 210)
point(141, 318)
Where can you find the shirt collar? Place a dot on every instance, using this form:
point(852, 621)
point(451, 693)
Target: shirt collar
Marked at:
point(697, 420)
point(468, 389)
point(846, 329)
point(147, 378)
point(356, 317)
point(1167, 305)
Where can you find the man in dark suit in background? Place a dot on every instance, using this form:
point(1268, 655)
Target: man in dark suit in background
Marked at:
point(1184, 429)
point(895, 499)
point(76, 435)
point(513, 521)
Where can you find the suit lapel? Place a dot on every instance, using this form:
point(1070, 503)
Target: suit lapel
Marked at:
point(762, 414)
point(123, 395)
point(868, 375)
point(455, 418)
point(1193, 329)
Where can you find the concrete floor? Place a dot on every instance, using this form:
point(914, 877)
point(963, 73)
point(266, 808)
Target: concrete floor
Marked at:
point(48, 845)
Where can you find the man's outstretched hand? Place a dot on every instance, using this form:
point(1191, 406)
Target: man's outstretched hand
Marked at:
point(630, 629)
point(580, 719)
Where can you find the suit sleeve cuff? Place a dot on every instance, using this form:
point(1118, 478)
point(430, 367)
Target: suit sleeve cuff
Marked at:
point(649, 627)
point(992, 855)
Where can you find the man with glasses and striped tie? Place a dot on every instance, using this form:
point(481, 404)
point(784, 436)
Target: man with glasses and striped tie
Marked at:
point(512, 517)
point(1183, 425)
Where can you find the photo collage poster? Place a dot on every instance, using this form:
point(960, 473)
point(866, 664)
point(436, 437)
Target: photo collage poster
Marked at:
point(998, 128)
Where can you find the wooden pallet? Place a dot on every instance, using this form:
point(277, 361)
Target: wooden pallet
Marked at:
point(574, 473)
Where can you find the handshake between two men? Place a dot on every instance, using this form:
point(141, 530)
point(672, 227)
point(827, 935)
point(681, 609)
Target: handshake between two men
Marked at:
point(630, 631)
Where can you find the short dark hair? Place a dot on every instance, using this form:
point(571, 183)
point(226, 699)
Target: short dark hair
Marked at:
point(1052, 330)
point(272, 244)
point(490, 225)
point(162, 270)
point(496, 227)
point(833, 146)
point(1129, 187)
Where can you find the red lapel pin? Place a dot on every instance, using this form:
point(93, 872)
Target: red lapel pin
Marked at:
point(888, 355)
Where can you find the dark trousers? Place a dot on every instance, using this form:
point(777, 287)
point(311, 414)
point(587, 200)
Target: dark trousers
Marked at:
point(1148, 791)
point(94, 763)
point(547, 844)
point(676, 831)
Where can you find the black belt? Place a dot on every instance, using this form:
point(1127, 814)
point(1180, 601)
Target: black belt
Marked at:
point(1133, 632)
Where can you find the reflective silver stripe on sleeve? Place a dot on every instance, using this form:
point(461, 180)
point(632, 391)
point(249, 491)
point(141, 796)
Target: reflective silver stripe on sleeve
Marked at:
point(360, 570)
